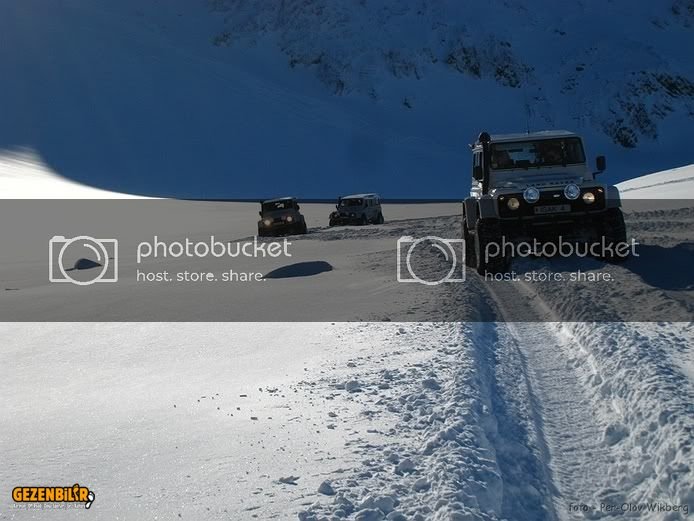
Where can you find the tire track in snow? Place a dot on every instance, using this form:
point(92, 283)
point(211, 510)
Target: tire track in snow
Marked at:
point(520, 448)
point(613, 408)
point(577, 457)
point(565, 418)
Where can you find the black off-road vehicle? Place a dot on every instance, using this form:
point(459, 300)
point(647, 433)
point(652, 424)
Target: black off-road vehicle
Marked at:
point(281, 217)
point(537, 187)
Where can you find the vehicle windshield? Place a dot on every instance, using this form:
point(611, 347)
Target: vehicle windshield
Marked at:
point(351, 202)
point(544, 152)
point(277, 205)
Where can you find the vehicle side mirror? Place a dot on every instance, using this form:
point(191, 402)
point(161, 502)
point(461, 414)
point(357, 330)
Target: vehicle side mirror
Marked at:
point(260, 213)
point(298, 207)
point(477, 172)
point(600, 163)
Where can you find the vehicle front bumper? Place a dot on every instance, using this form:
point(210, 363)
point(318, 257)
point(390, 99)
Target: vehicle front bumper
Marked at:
point(578, 226)
point(276, 227)
point(338, 219)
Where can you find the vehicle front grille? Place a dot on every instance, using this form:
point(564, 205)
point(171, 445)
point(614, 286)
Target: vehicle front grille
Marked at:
point(551, 197)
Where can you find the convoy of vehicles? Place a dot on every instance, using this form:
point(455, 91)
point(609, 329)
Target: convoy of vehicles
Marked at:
point(525, 187)
point(281, 216)
point(536, 186)
point(357, 209)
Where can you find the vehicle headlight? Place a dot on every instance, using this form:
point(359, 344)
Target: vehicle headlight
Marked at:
point(267, 222)
point(513, 203)
point(572, 191)
point(589, 198)
point(531, 194)
point(289, 218)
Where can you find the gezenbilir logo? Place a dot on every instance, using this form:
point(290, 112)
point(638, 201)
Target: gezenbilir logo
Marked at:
point(73, 494)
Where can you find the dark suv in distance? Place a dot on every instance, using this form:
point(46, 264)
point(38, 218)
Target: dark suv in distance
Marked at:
point(357, 209)
point(281, 217)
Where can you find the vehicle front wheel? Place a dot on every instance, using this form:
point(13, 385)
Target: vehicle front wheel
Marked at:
point(613, 231)
point(364, 221)
point(488, 232)
point(379, 219)
point(470, 256)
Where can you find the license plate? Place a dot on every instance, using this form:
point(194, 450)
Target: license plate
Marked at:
point(553, 208)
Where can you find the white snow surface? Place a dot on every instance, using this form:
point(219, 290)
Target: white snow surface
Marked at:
point(441, 421)
point(677, 183)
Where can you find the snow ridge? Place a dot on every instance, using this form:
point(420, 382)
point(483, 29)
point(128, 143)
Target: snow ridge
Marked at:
point(459, 446)
point(651, 431)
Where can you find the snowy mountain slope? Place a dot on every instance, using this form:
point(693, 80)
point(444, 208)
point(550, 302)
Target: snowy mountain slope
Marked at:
point(636, 52)
point(677, 183)
point(619, 69)
point(241, 99)
point(24, 176)
point(146, 104)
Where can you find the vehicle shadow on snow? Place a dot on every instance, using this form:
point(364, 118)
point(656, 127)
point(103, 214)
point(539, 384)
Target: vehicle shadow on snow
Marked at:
point(664, 268)
point(300, 269)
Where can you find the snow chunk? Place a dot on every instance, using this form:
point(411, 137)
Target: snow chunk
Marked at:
point(385, 504)
point(405, 466)
point(326, 489)
point(615, 433)
point(421, 485)
point(431, 383)
point(352, 386)
point(369, 514)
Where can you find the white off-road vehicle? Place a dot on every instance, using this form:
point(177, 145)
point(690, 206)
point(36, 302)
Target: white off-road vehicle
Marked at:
point(357, 209)
point(536, 187)
point(281, 217)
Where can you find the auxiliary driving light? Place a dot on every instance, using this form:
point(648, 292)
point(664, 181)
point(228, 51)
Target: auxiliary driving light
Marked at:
point(513, 203)
point(531, 194)
point(289, 218)
point(267, 222)
point(589, 198)
point(572, 191)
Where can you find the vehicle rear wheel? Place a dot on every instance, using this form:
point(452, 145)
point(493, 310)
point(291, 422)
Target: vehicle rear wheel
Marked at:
point(488, 231)
point(364, 221)
point(303, 229)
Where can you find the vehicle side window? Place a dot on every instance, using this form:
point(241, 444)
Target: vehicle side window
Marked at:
point(476, 159)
